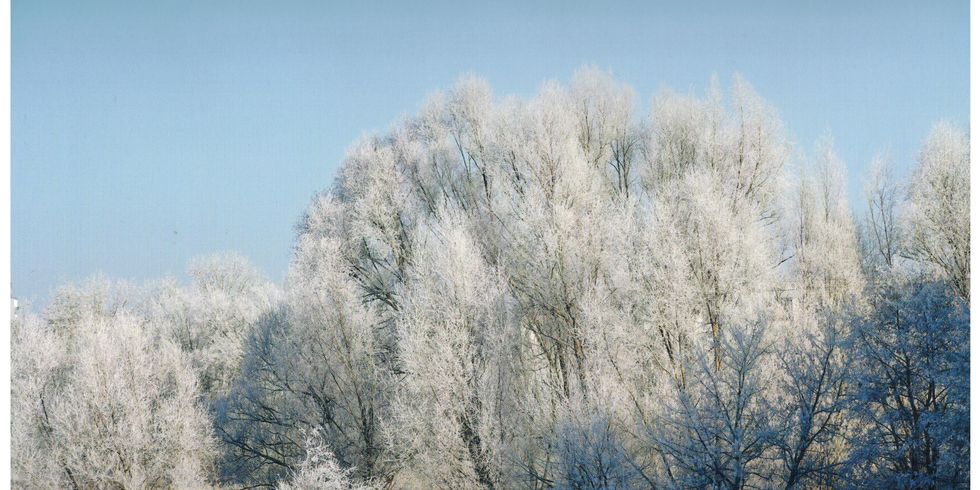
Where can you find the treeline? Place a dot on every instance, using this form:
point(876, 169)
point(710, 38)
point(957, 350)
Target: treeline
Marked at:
point(551, 292)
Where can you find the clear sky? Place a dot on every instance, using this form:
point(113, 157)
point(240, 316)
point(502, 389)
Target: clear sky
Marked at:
point(144, 134)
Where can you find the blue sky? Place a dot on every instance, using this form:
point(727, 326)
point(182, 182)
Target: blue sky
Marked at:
point(144, 134)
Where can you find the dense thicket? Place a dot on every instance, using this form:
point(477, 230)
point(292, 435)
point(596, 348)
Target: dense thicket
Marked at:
point(550, 292)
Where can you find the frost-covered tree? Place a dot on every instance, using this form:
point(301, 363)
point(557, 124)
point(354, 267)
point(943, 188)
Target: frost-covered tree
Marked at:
point(717, 172)
point(611, 139)
point(211, 318)
point(555, 234)
point(912, 387)
point(38, 359)
point(727, 267)
point(332, 350)
point(529, 182)
point(884, 231)
point(939, 204)
point(539, 292)
point(380, 219)
point(591, 456)
point(718, 431)
point(258, 423)
point(319, 470)
point(312, 365)
point(517, 178)
point(827, 255)
point(814, 362)
point(743, 142)
point(448, 418)
point(108, 402)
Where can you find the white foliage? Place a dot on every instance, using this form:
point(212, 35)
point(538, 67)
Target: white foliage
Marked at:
point(591, 456)
point(537, 292)
point(912, 389)
point(319, 470)
point(814, 365)
point(112, 403)
point(608, 135)
point(827, 257)
point(939, 204)
point(329, 355)
point(211, 318)
point(719, 431)
point(744, 145)
point(315, 363)
point(37, 360)
point(445, 415)
point(885, 235)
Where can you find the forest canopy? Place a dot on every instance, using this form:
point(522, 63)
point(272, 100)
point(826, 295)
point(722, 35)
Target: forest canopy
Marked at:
point(532, 293)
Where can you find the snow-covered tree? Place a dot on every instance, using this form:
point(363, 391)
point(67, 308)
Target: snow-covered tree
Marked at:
point(912, 387)
point(611, 139)
point(319, 469)
point(719, 430)
point(539, 292)
point(38, 365)
point(591, 455)
point(717, 173)
point(814, 362)
point(447, 417)
point(884, 233)
point(939, 204)
point(211, 318)
point(330, 355)
point(311, 364)
point(827, 256)
point(108, 402)
point(744, 143)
